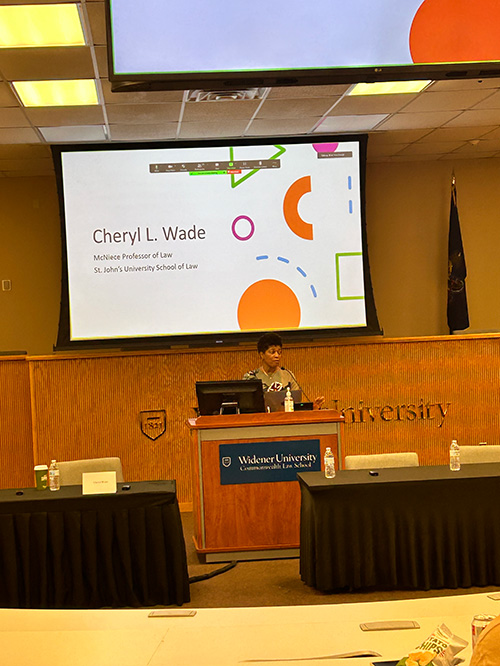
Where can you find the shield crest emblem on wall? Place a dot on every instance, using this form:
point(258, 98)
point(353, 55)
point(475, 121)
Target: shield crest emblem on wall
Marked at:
point(153, 423)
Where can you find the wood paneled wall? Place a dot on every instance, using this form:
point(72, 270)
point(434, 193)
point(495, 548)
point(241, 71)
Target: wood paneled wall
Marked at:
point(397, 395)
point(16, 448)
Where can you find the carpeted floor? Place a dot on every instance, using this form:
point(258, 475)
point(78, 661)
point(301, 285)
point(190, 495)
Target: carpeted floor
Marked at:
point(273, 583)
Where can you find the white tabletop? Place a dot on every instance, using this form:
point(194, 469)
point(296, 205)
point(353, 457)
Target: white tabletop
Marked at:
point(231, 636)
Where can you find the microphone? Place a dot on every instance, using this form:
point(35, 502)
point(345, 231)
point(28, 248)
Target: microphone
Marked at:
point(295, 380)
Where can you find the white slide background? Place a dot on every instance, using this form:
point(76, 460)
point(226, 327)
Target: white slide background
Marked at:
point(194, 285)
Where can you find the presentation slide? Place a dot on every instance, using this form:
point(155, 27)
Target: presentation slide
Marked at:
point(175, 241)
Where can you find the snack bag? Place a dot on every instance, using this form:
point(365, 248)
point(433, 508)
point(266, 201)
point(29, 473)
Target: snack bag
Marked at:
point(439, 649)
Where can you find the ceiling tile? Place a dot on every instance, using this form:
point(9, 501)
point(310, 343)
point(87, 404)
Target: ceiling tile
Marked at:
point(456, 133)
point(491, 102)
point(36, 173)
point(139, 114)
point(7, 97)
point(465, 156)
point(40, 64)
point(436, 148)
point(446, 101)
point(494, 134)
point(207, 130)
point(385, 149)
point(410, 158)
point(468, 118)
point(74, 133)
point(295, 108)
point(97, 20)
point(24, 152)
point(273, 127)
point(12, 117)
point(74, 115)
point(38, 165)
point(417, 120)
point(480, 147)
point(139, 97)
point(151, 132)
point(397, 136)
point(101, 55)
point(360, 104)
point(465, 84)
point(18, 135)
point(350, 123)
point(290, 92)
point(32, 2)
point(220, 111)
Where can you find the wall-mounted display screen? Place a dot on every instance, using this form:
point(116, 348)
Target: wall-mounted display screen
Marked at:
point(211, 241)
point(228, 43)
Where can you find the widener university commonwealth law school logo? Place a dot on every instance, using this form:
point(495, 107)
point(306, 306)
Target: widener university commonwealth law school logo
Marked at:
point(261, 462)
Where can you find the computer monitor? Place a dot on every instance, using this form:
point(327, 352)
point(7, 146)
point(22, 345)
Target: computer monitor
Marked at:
point(239, 396)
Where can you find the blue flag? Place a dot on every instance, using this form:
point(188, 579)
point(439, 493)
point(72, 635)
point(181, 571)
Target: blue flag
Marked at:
point(458, 312)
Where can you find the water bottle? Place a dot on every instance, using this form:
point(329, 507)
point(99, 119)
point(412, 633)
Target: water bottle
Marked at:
point(329, 463)
point(288, 400)
point(54, 483)
point(454, 456)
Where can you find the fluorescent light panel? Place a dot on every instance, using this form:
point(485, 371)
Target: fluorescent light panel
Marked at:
point(40, 25)
point(389, 88)
point(77, 92)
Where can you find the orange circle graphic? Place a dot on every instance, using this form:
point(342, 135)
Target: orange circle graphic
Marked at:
point(268, 304)
point(456, 31)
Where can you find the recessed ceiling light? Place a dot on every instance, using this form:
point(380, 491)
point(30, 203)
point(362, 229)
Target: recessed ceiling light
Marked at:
point(389, 88)
point(40, 25)
point(77, 92)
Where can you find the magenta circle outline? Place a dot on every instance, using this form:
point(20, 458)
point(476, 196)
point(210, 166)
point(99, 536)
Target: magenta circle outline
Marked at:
point(233, 227)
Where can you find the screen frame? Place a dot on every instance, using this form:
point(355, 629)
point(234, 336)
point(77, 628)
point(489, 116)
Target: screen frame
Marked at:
point(216, 339)
point(247, 392)
point(240, 79)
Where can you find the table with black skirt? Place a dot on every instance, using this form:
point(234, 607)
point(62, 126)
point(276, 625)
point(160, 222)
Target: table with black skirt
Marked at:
point(401, 528)
point(67, 550)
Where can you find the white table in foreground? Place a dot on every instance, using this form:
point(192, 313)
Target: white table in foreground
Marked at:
point(230, 636)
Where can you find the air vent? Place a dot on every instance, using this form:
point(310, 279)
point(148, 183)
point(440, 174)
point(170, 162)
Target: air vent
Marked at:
point(226, 95)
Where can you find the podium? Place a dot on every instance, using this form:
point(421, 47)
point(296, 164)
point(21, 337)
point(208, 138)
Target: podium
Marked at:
point(242, 507)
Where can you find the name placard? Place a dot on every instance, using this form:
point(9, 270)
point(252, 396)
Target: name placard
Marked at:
point(98, 483)
point(261, 462)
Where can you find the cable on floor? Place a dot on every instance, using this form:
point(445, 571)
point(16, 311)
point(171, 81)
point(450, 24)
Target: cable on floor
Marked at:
point(211, 574)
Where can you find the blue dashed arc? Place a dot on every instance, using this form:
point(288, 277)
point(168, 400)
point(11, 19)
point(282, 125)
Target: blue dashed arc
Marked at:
point(300, 270)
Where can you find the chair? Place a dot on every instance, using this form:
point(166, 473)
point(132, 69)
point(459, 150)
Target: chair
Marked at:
point(70, 471)
point(378, 460)
point(487, 453)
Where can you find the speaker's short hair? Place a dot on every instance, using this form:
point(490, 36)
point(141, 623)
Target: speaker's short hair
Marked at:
point(268, 340)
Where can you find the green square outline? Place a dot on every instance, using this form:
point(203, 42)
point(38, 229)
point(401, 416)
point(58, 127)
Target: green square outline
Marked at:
point(337, 274)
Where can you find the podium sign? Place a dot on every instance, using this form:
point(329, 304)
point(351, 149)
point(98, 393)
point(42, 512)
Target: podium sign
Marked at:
point(262, 462)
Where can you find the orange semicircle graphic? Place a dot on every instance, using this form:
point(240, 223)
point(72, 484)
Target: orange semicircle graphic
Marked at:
point(268, 304)
point(290, 208)
point(456, 31)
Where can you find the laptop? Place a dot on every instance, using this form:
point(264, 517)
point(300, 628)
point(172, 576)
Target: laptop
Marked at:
point(275, 400)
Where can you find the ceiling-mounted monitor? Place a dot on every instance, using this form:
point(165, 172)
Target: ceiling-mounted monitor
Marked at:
point(212, 242)
point(226, 44)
